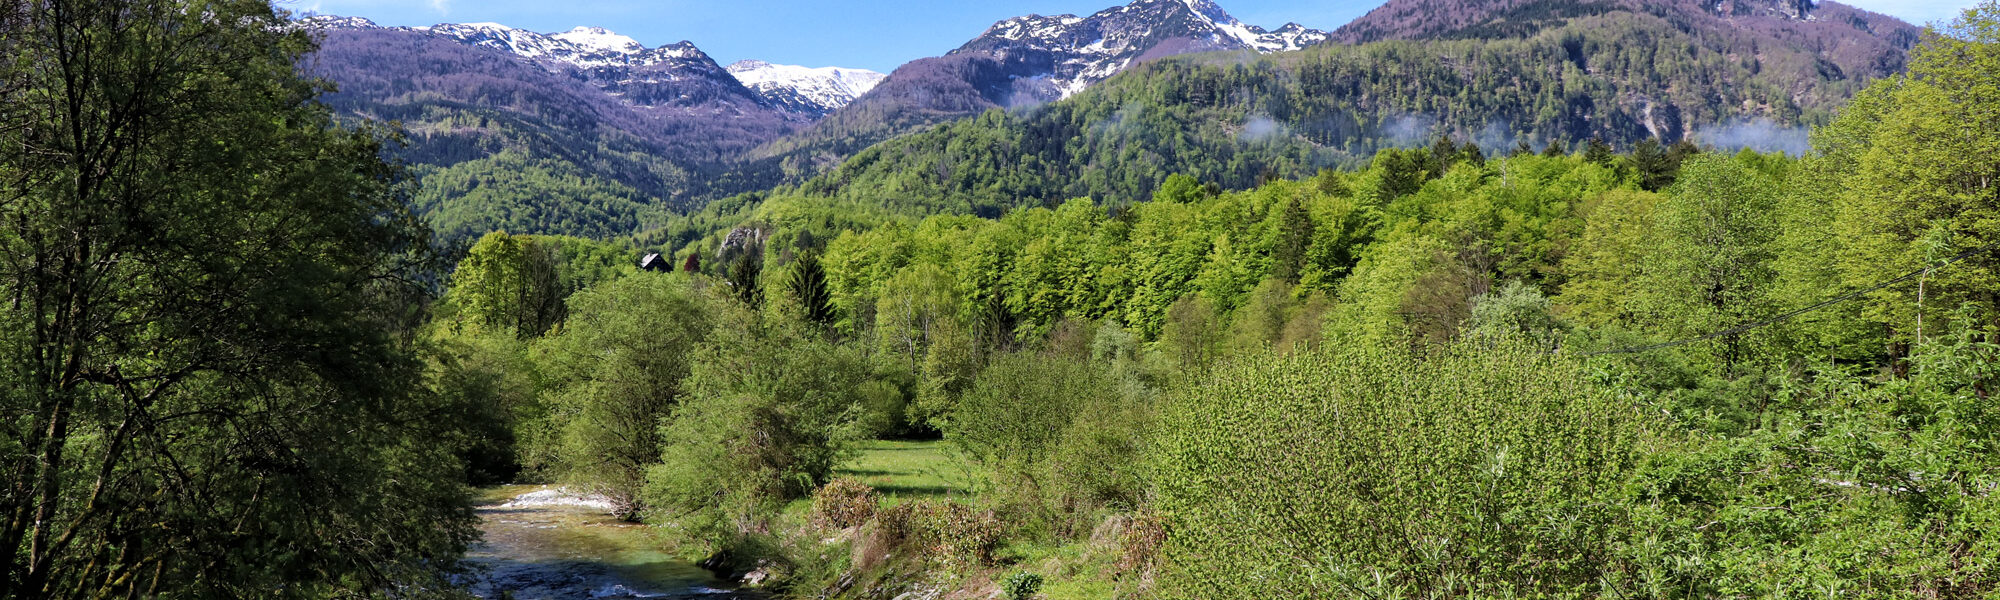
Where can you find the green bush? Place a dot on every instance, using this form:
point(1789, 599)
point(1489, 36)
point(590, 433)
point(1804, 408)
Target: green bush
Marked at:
point(1865, 489)
point(1062, 438)
point(1018, 408)
point(1479, 470)
point(770, 411)
point(613, 371)
point(1021, 585)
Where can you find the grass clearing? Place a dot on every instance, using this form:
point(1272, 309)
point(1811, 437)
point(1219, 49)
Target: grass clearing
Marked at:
point(911, 470)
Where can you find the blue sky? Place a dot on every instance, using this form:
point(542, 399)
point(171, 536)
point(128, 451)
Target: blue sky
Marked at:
point(868, 34)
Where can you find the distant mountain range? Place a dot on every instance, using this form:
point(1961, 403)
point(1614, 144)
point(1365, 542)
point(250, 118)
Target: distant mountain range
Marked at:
point(599, 121)
point(802, 89)
point(1495, 74)
point(1024, 61)
point(1060, 56)
point(648, 76)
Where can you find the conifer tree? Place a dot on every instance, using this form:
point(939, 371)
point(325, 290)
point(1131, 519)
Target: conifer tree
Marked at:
point(1295, 235)
point(1599, 152)
point(1651, 165)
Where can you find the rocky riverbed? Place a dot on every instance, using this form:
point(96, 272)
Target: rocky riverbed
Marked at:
point(543, 543)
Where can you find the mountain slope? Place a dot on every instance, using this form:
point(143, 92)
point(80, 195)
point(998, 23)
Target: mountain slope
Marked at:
point(1020, 62)
point(1853, 40)
point(1069, 52)
point(815, 92)
point(1622, 75)
point(594, 131)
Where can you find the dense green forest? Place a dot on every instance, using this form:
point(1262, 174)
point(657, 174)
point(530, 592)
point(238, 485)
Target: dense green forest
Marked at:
point(1240, 120)
point(1661, 373)
point(528, 159)
point(234, 366)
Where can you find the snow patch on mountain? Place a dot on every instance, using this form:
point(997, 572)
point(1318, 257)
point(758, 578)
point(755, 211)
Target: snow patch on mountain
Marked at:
point(601, 40)
point(586, 47)
point(1081, 51)
point(821, 90)
point(672, 77)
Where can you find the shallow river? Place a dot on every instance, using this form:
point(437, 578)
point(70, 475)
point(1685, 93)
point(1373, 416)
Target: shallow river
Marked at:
point(540, 545)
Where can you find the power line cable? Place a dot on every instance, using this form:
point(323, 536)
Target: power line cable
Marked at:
point(1790, 315)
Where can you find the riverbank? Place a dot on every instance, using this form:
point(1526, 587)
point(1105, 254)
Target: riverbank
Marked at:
point(911, 523)
point(542, 543)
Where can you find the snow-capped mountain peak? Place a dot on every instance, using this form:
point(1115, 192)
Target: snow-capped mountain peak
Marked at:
point(1085, 50)
point(600, 39)
point(813, 90)
point(586, 47)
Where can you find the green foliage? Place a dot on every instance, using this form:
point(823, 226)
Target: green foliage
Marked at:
point(1615, 77)
point(209, 389)
point(508, 284)
point(1061, 438)
point(1474, 471)
point(1711, 265)
point(1903, 180)
point(1863, 489)
point(1608, 260)
point(1021, 585)
point(770, 412)
point(519, 284)
point(1515, 310)
point(614, 371)
point(511, 191)
point(806, 282)
point(491, 381)
point(1015, 414)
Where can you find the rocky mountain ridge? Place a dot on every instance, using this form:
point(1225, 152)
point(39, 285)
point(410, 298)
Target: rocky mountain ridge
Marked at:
point(674, 75)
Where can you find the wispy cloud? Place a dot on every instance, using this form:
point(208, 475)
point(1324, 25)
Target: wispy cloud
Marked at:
point(443, 6)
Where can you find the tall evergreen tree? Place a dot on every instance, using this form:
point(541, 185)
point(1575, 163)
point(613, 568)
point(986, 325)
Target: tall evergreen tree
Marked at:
point(806, 281)
point(1555, 149)
point(746, 278)
point(1651, 165)
point(1599, 152)
point(1295, 236)
point(1473, 154)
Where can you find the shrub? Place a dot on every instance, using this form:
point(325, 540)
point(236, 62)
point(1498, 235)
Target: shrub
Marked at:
point(1022, 585)
point(1019, 407)
point(949, 532)
point(615, 369)
point(956, 532)
point(1099, 463)
point(1308, 475)
point(844, 503)
point(1141, 543)
point(1063, 439)
point(769, 413)
point(887, 533)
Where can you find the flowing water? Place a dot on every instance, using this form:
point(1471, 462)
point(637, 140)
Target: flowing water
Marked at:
point(543, 545)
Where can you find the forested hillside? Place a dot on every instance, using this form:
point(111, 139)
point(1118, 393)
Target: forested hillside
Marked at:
point(498, 142)
point(1028, 356)
point(1618, 76)
point(1021, 62)
point(559, 148)
point(1662, 373)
